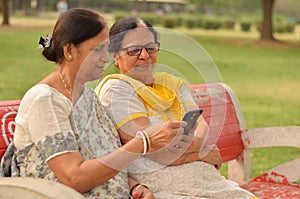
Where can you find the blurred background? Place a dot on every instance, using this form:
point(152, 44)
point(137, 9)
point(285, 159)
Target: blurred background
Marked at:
point(207, 14)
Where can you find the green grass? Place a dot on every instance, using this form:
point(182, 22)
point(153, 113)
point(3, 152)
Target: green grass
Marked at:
point(21, 62)
point(265, 78)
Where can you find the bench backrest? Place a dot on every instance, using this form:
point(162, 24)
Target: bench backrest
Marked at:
point(8, 112)
point(221, 110)
point(223, 114)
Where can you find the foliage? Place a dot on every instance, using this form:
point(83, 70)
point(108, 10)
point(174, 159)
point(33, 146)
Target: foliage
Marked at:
point(229, 6)
point(228, 24)
point(245, 26)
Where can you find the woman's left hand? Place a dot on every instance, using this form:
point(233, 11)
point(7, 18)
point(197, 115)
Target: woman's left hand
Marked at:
point(211, 154)
point(142, 193)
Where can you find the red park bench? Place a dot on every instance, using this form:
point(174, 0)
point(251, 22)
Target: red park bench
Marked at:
point(228, 130)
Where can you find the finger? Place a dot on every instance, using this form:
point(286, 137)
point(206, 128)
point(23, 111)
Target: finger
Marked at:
point(177, 138)
point(135, 194)
point(177, 131)
point(177, 124)
point(180, 130)
point(218, 166)
point(187, 139)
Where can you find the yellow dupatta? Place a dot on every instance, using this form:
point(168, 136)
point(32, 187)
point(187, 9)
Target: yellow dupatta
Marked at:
point(161, 99)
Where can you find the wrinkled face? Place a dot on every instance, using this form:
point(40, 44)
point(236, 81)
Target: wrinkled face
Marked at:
point(138, 56)
point(94, 56)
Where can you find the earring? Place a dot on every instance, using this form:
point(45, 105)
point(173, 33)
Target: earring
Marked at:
point(70, 56)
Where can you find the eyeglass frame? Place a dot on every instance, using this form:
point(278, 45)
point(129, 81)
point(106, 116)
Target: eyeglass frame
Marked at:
point(141, 49)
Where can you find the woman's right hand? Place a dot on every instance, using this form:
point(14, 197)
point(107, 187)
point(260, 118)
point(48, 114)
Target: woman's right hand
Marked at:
point(165, 134)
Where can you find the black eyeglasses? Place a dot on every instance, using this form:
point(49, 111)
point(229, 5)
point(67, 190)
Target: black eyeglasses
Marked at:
point(136, 50)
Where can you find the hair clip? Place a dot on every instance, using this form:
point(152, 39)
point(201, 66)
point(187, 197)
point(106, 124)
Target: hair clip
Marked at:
point(45, 43)
point(41, 42)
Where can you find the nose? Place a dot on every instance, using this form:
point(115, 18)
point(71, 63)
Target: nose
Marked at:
point(144, 54)
point(105, 58)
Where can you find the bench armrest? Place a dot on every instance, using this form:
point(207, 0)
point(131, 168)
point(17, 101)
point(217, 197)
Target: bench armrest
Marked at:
point(276, 136)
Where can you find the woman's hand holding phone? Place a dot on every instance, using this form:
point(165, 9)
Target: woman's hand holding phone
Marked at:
point(191, 118)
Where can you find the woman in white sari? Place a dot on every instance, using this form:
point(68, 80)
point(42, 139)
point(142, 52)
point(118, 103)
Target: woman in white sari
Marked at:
point(62, 131)
point(137, 99)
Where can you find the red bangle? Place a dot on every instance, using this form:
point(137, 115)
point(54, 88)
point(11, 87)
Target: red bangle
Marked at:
point(136, 186)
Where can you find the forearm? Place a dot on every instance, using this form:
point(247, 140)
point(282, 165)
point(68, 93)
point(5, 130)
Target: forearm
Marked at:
point(176, 156)
point(195, 145)
point(81, 175)
point(187, 151)
point(186, 158)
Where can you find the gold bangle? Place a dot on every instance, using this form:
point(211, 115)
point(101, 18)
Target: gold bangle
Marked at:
point(148, 141)
point(136, 187)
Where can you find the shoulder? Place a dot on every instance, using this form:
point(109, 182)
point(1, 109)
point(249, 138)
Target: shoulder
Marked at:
point(43, 95)
point(36, 93)
point(184, 88)
point(116, 86)
point(116, 83)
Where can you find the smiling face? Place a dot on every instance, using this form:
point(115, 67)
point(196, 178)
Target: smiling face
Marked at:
point(137, 65)
point(93, 57)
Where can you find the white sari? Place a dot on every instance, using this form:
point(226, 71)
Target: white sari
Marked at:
point(196, 180)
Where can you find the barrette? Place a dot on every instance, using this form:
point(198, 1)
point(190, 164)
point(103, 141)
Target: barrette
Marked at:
point(45, 43)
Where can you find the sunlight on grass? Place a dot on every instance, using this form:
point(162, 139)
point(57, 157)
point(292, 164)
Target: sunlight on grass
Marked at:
point(252, 35)
point(42, 19)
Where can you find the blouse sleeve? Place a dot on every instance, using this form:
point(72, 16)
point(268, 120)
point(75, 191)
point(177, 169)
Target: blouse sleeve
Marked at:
point(186, 95)
point(49, 125)
point(121, 102)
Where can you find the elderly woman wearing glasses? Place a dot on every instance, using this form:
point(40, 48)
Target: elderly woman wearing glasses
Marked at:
point(137, 99)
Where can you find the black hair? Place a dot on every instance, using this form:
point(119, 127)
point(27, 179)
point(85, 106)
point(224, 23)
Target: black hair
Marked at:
point(121, 27)
point(73, 26)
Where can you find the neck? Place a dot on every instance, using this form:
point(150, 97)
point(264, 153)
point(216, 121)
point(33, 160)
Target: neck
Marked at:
point(67, 87)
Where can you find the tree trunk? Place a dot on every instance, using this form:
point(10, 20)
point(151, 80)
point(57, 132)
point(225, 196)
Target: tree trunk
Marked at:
point(5, 12)
point(267, 28)
point(26, 6)
point(40, 5)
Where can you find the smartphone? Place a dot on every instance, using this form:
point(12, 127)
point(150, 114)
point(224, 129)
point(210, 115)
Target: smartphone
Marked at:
point(191, 117)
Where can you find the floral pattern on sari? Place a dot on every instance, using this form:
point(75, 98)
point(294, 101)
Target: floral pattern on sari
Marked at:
point(98, 137)
point(93, 136)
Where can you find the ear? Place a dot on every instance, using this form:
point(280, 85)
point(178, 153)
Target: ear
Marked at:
point(68, 51)
point(115, 56)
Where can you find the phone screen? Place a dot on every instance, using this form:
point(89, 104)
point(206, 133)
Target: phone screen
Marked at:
point(191, 117)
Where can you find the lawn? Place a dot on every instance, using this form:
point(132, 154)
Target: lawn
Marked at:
point(264, 76)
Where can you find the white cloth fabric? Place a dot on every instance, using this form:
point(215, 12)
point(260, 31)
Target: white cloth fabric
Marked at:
point(122, 103)
point(194, 180)
point(48, 125)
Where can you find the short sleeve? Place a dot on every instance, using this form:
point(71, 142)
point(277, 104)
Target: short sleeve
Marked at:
point(44, 120)
point(48, 116)
point(121, 102)
point(186, 95)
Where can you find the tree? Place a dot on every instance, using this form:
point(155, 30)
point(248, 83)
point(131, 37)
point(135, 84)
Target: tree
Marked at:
point(267, 28)
point(5, 12)
point(26, 6)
